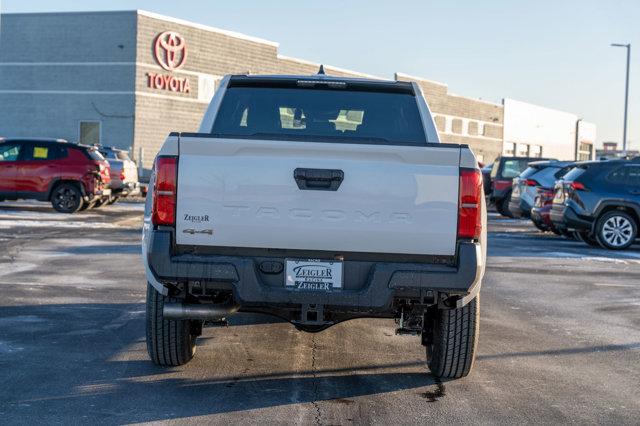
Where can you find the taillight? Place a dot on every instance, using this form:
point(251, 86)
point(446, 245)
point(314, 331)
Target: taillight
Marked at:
point(546, 196)
point(164, 191)
point(469, 204)
point(500, 184)
point(577, 186)
point(531, 182)
point(122, 177)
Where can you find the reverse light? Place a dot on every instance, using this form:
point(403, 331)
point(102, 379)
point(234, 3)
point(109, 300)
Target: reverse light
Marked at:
point(470, 204)
point(164, 191)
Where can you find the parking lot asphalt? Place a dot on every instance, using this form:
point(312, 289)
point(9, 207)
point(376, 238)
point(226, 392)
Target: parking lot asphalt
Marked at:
point(559, 340)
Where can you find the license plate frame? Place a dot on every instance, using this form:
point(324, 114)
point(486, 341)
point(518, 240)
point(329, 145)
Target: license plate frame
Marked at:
point(313, 274)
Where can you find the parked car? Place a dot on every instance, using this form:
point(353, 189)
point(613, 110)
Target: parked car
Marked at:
point(540, 212)
point(124, 173)
point(278, 206)
point(69, 176)
point(600, 201)
point(502, 173)
point(537, 174)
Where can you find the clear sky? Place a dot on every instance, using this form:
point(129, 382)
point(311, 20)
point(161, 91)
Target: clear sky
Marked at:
point(551, 53)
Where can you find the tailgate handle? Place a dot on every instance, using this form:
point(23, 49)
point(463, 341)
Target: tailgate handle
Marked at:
point(318, 179)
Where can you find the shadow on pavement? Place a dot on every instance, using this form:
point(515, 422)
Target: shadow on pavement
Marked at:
point(87, 362)
point(566, 351)
point(103, 249)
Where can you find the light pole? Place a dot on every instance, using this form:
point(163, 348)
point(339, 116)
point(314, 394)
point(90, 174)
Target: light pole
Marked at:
point(626, 96)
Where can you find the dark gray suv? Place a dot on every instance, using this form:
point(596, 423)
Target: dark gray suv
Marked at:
point(600, 200)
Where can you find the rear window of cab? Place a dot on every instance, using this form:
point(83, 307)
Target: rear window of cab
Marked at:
point(320, 115)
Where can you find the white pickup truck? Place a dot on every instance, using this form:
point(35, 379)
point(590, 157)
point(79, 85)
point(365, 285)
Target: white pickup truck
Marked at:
point(316, 199)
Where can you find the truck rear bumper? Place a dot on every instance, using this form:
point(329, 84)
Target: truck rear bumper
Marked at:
point(367, 285)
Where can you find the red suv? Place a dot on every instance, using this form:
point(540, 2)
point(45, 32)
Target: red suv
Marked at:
point(72, 177)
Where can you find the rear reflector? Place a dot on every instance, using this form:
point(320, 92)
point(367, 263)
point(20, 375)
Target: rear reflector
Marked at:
point(469, 204)
point(164, 191)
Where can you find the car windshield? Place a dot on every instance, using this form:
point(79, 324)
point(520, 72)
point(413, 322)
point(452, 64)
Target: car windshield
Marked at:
point(320, 115)
point(115, 154)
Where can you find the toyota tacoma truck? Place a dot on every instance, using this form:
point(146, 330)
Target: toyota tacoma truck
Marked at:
point(316, 199)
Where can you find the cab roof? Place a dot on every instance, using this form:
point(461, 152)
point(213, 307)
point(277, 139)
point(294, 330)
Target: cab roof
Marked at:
point(321, 81)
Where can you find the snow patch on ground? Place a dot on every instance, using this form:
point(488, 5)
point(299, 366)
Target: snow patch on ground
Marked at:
point(38, 215)
point(7, 224)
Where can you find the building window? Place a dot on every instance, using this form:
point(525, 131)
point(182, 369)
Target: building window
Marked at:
point(441, 122)
point(584, 157)
point(509, 149)
point(535, 151)
point(523, 150)
point(90, 132)
point(456, 126)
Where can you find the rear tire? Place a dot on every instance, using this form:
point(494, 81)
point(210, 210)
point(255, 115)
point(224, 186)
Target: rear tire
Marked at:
point(502, 206)
point(616, 230)
point(451, 353)
point(169, 342)
point(540, 226)
point(66, 198)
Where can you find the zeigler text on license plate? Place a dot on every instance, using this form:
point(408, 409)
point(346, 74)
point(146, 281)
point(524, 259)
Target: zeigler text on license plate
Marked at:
point(313, 274)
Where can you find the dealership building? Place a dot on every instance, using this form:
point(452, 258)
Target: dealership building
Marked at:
point(127, 79)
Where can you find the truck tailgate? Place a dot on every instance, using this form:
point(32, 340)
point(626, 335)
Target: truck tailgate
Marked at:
point(392, 199)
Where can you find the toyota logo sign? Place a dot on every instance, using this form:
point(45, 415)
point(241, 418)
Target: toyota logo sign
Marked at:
point(170, 50)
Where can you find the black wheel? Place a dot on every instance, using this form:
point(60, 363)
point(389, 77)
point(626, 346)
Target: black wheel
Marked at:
point(66, 198)
point(616, 230)
point(586, 238)
point(502, 206)
point(112, 200)
point(451, 351)
point(169, 342)
point(542, 227)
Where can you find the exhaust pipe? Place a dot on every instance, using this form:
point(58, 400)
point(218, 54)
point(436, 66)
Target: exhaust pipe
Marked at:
point(214, 312)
